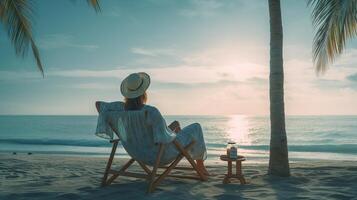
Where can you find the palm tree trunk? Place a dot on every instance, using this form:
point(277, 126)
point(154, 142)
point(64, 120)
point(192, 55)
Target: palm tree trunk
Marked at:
point(278, 161)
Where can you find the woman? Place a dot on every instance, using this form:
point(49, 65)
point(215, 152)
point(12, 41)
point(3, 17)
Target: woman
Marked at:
point(133, 88)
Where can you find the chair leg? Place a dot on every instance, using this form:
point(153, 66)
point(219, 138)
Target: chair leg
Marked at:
point(151, 186)
point(189, 158)
point(109, 164)
point(172, 165)
point(144, 167)
point(167, 171)
point(125, 167)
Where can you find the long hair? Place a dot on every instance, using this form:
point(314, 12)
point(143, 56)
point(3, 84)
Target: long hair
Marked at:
point(135, 103)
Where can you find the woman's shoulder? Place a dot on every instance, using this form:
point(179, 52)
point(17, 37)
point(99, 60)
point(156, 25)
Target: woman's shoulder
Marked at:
point(150, 108)
point(110, 106)
point(154, 115)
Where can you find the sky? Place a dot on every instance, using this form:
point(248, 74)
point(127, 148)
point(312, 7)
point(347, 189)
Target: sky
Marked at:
point(205, 57)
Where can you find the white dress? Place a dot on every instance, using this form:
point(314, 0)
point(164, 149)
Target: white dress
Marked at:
point(108, 114)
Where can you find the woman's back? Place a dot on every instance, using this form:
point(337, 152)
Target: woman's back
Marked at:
point(137, 136)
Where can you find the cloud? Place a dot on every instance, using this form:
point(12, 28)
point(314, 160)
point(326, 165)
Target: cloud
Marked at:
point(113, 12)
point(159, 85)
point(56, 41)
point(327, 84)
point(347, 59)
point(155, 57)
point(152, 52)
point(352, 77)
point(228, 54)
point(352, 81)
point(86, 73)
point(95, 86)
point(19, 75)
point(258, 80)
point(203, 8)
point(211, 8)
point(159, 2)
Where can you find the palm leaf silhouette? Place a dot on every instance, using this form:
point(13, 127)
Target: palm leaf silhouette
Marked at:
point(16, 16)
point(94, 4)
point(335, 22)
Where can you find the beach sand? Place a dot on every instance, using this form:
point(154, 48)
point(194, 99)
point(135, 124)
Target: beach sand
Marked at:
point(68, 177)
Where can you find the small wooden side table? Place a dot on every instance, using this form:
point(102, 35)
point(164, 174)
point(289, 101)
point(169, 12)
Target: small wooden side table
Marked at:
point(239, 174)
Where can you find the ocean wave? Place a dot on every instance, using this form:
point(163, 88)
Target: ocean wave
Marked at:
point(338, 148)
point(60, 142)
point(327, 148)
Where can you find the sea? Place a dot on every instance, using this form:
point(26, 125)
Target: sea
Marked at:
point(309, 137)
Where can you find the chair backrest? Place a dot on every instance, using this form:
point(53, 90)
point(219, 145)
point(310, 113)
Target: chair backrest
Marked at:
point(136, 136)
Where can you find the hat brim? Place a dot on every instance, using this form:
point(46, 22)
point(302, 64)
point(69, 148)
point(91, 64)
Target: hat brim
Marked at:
point(139, 91)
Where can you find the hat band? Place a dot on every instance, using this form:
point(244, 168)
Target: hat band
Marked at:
point(141, 84)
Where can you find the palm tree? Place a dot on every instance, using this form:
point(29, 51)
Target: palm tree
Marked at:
point(278, 159)
point(16, 16)
point(336, 22)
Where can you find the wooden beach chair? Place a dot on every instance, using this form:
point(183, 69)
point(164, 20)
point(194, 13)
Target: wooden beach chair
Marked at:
point(133, 141)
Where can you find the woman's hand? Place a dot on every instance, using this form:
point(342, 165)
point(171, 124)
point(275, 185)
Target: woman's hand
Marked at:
point(175, 126)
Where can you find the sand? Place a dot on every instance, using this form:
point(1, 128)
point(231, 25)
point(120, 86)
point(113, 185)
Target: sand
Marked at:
point(68, 177)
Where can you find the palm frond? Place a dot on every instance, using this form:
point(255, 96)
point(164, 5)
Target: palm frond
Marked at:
point(1, 11)
point(94, 4)
point(335, 22)
point(16, 16)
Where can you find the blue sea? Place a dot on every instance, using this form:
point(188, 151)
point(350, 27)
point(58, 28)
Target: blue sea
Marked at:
point(309, 137)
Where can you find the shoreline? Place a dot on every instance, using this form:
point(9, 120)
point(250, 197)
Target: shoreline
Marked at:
point(294, 157)
point(74, 177)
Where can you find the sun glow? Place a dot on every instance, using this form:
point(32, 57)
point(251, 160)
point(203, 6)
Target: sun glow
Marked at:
point(238, 129)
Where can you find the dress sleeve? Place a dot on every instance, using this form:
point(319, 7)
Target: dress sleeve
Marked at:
point(161, 133)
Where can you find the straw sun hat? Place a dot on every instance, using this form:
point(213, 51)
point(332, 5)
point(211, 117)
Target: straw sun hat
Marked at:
point(135, 85)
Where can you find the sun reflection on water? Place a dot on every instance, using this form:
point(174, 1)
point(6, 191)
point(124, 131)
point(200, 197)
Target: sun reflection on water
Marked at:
point(238, 129)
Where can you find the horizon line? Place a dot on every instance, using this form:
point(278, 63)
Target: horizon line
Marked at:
point(256, 115)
